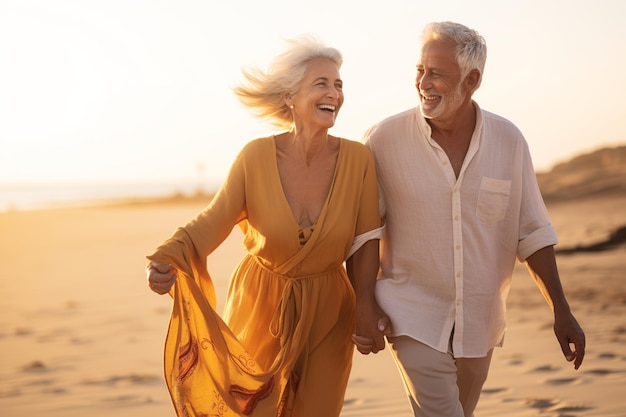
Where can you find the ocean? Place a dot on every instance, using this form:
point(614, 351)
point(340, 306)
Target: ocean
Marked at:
point(43, 196)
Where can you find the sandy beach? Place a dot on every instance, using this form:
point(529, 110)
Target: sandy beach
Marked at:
point(80, 332)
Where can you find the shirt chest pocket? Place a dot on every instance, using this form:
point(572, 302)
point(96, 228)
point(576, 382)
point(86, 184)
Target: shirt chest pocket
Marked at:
point(493, 199)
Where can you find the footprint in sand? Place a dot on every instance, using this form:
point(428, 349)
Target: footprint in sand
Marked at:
point(132, 379)
point(514, 360)
point(610, 356)
point(493, 391)
point(55, 391)
point(41, 382)
point(542, 403)
point(127, 400)
point(353, 401)
point(545, 368)
point(562, 381)
point(35, 366)
point(23, 331)
point(48, 386)
point(603, 372)
point(554, 405)
point(571, 409)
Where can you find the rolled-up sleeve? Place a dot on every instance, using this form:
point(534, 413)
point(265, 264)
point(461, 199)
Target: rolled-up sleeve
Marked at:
point(539, 239)
point(535, 228)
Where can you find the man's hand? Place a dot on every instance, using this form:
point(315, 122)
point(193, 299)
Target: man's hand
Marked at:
point(568, 332)
point(372, 327)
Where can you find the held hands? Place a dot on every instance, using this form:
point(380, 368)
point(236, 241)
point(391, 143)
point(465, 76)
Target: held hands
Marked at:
point(372, 325)
point(161, 277)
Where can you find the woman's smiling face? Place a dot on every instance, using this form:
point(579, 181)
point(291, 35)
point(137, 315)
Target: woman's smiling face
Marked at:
point(317, 102)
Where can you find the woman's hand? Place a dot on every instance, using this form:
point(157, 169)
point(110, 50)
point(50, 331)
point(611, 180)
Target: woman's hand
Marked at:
point(161, 277)
point(372, 325)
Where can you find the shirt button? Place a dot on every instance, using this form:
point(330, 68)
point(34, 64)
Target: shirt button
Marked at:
point(457, 247)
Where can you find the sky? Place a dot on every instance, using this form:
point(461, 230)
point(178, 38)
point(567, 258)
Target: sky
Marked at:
point(98, 91)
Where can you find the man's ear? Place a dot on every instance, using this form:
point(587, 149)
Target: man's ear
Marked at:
point(472, 81)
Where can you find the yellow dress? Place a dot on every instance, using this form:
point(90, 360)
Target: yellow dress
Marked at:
point(282, 347)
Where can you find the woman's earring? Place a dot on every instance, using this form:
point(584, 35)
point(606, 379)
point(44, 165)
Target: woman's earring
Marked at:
point(291, 107)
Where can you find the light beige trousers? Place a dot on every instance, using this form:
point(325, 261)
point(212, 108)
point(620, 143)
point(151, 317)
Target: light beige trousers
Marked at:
point(438, 384)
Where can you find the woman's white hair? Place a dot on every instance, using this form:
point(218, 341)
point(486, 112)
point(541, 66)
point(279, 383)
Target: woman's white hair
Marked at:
point(264, 91)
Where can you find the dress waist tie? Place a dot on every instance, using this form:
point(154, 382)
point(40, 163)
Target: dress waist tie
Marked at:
point(292, 320)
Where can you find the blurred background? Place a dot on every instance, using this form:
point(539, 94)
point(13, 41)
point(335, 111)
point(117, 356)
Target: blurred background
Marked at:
point(133, 97)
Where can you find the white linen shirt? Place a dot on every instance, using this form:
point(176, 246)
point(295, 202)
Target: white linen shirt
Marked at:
point(450, 245)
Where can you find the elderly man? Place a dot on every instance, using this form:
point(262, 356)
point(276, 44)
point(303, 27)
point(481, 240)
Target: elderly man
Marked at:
point(461, 203)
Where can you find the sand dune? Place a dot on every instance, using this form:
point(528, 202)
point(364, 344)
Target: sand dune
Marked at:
point(80, 333)
point(600, 173)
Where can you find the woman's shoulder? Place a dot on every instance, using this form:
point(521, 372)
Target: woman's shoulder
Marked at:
point(355, 147)
point(352, 144)
point(257, 145)
point(255, 151)
point(260, 142)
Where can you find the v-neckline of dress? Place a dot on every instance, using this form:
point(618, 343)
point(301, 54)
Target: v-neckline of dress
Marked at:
point(282, 189)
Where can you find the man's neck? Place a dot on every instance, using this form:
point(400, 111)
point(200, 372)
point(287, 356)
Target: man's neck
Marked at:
point(454, 135)
point(459, 124)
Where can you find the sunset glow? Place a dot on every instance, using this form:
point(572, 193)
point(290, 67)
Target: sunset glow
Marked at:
point(141, 90)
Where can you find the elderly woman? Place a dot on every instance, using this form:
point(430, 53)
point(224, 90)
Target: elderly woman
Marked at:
point(306, 202)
